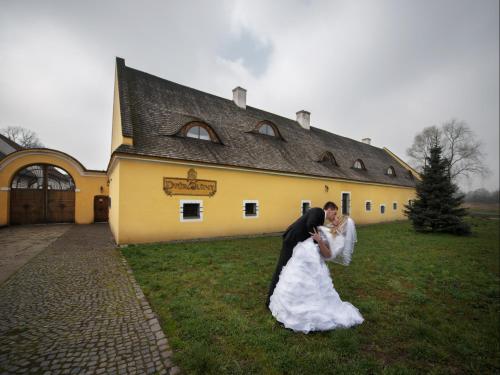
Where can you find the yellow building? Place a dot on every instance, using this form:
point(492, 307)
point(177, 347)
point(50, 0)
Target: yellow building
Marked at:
point(187, 164)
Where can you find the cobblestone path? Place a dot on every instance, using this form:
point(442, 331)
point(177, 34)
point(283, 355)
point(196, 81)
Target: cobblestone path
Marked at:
point(18, 244)
point(75, 308)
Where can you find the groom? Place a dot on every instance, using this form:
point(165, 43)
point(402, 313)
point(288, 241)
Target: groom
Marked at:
point(300, 231)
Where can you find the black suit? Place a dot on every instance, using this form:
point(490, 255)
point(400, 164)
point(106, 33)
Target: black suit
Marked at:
point(295, 233)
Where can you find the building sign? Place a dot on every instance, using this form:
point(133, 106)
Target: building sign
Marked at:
point(189, 186)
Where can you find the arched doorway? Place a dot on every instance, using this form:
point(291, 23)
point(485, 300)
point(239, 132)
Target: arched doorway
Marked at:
point(42, 193)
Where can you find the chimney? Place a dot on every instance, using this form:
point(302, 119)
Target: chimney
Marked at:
point(368, 141)
point(240, 97)
point(303, 118)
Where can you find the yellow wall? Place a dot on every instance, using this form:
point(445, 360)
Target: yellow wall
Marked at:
point(147, 214)
point(88, 183)
point(114, 193)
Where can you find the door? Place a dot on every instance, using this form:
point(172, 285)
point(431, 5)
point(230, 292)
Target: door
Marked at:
point(101, 207)
point(42, 193)
point(346, 203)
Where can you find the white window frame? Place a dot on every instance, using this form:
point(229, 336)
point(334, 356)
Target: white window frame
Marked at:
point(257, 209)
point(342, 202)
point(395, 209)
point(302, 203)
point(182, 202)
point(385, 209)
point(371, 206)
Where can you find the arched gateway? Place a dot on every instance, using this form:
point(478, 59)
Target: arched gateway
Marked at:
point(42, 193)
point(49, 186)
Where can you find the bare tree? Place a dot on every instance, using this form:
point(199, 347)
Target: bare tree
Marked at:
point(22, 136)
point(461, 149)
point(422, 143)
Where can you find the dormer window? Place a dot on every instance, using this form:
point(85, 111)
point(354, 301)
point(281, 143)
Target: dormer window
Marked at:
point(267, 130)
point(199, 130)
point(410, 175)
point(358, 164)
point(391, 172)
point(328, 158)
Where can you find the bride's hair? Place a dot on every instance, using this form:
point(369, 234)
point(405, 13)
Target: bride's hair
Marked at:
point(339, 227)
point(342, 220)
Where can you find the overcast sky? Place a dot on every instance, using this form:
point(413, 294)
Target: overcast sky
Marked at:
point(374, 68)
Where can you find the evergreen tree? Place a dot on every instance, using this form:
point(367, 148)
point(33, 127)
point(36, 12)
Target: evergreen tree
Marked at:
point(438, 204)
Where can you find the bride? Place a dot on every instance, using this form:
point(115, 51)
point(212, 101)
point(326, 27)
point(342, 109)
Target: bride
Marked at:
point(305, 299)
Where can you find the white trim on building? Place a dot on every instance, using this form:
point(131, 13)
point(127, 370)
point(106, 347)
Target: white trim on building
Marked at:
point(146, 159)
point(257, 209)
point(182, 202)
point(302, 205)
point(342, 203)
point(371, 206)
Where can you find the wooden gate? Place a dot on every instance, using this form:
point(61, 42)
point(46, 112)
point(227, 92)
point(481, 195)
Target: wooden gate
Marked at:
point(42, 193)
point(26, 206)
point(60, 206)
point(101, 207)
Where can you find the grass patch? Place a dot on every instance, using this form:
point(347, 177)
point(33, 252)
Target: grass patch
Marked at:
point(431, 304)
point(485, 210)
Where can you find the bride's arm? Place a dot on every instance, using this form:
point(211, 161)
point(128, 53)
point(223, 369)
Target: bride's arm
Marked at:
point(323, 246)
point(324, 249)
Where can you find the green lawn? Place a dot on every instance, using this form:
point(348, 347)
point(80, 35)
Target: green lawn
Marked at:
point(430, 303)
point(486, 210)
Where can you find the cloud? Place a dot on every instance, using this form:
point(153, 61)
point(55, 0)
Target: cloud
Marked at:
point(247, 50)
point(381, 69)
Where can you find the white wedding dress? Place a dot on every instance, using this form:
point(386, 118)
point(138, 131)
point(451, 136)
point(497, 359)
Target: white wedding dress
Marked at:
point(305, 299)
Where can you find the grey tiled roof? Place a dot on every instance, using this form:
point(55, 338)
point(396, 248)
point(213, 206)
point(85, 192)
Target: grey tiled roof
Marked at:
point(12, 144)
point(154, 110)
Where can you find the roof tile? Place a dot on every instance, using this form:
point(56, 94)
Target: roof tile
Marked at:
point(155, 109)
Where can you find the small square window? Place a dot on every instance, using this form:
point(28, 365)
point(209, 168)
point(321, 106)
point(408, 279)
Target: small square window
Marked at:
point(305, 206)
point(368, 205)
point(250, 209)
point(395, 206)
point(191, 211)
point(382, 209)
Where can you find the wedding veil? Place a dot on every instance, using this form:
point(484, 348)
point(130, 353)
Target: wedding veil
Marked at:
point(342, 245)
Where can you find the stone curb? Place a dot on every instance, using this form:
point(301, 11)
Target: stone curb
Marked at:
point(152, 319)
